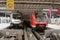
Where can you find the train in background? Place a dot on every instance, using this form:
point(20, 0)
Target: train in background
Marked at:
point(5, 19)
point(36, 20)
point(53, 18)
point(16, 20)
point(8, 20)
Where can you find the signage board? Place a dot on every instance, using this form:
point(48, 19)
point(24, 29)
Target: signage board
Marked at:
point(10, 4)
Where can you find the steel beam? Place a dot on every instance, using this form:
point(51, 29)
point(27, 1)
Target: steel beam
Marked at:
point(31, 2)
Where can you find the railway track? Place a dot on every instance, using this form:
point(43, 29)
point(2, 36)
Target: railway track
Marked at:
point(30, 34)
point(37, 35)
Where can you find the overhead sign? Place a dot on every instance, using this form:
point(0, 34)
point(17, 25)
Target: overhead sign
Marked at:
point(10, 4)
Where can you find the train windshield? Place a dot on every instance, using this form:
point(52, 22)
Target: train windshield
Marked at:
point(16, 16)
point(41, 17)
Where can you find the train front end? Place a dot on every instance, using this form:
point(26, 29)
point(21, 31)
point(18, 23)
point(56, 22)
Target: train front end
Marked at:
point(38, 21)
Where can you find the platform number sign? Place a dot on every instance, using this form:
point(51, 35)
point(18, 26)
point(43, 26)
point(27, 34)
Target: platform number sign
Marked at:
point(10, 4)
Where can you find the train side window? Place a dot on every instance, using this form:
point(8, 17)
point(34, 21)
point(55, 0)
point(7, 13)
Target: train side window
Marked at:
point(2, 14)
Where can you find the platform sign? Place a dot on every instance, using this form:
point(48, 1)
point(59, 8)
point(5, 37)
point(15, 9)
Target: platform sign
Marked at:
point(10, 4)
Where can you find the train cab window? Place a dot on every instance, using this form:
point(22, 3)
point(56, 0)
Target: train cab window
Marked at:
point(16, 16)
point(40, 17)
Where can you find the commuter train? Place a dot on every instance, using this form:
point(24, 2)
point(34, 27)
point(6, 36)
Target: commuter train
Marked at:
point(16, 20)
point(36, 20)
point(53, 18)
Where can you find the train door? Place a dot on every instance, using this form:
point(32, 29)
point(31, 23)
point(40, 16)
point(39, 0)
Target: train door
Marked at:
point(5, 19)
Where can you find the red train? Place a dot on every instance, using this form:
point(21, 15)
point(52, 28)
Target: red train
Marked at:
point(36, 20)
